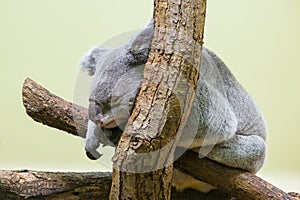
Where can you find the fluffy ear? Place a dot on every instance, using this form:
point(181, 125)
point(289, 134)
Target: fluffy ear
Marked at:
point(140, 42)
point(90, 59)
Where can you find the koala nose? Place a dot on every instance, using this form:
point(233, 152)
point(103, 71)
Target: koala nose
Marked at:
point(99, 116)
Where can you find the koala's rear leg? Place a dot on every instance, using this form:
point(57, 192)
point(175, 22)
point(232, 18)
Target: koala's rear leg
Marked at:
point(92, 141)
point(242, 151)
point(182, 181)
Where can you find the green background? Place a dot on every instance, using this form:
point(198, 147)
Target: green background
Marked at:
point(45, 39)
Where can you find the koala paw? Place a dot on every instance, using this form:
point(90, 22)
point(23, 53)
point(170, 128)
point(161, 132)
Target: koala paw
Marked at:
point(93, 155)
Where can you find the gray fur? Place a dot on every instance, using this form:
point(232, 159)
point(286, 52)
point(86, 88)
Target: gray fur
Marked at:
point(228, 122)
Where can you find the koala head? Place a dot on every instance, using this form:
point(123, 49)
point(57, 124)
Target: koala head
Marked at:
point(117, 75)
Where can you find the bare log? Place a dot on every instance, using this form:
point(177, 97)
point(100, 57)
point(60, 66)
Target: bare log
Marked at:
point(236, 183)
point(25, 184)
point(49, 185)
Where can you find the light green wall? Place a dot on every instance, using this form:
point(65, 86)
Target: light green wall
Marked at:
point(44, 39)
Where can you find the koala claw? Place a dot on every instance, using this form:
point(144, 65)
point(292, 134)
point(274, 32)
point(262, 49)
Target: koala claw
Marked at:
point(93, 155)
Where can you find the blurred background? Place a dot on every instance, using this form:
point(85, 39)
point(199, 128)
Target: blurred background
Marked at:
point(45, 39)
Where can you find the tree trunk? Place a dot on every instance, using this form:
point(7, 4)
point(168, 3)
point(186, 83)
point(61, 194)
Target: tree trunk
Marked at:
point(143, 162)
point(239, 184)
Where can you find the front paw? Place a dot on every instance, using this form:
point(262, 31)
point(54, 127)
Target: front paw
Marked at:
point(93, 155)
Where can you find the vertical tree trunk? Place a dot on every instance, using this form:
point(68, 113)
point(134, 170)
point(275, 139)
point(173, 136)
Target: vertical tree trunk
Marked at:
point(143, 160)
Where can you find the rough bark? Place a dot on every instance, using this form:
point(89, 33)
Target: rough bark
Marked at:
point(143, 162)
point(26, 184)
point(48, 185)
point(52, 110)
point(236, 183)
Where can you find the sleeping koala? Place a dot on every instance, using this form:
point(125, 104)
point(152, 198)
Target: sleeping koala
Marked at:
point(227, 119)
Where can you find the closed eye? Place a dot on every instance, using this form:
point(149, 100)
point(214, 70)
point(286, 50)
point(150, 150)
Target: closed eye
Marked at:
point(116, 100)
point(105, 106)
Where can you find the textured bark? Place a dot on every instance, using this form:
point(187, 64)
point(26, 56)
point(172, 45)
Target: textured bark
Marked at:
point(163, 103)
point(52, 110)
point(236, 183)
point(73, 186)
point(240, 184)
point(48, 185)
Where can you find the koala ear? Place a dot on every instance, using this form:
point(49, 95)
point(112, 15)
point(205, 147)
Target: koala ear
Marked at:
point(140, 42)
point(90, 59)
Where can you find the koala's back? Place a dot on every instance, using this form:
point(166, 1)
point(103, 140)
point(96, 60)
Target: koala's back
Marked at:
point(216, 76)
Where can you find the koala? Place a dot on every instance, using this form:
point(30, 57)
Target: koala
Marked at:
point(228, 121)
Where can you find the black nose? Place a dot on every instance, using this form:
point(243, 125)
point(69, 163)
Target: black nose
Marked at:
point(94, 111)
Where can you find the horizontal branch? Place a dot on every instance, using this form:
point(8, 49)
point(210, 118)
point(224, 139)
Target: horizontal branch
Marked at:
point(53, 111)
point(49, 185)
point(27, 184)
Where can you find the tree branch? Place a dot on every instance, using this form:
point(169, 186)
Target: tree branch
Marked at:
point(48, 185)
point(41, 105)
point(53, 111)
point(25, 184)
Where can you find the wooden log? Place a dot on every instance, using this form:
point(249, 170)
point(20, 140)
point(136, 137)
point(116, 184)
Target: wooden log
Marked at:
point(41, 105)
point(49, 185)
point(25, 184)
